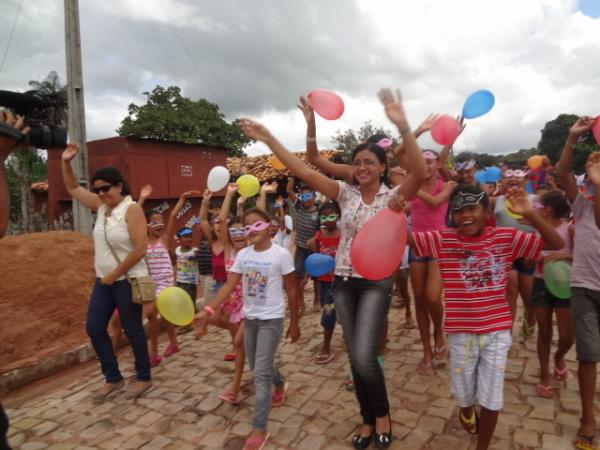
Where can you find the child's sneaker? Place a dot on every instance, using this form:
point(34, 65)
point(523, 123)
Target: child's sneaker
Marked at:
point(171, 350)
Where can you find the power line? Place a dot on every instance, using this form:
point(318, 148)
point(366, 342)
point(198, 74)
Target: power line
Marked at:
point(10, 36)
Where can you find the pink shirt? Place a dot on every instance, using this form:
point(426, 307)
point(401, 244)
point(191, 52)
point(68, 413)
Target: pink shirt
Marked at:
point(563, 231)
point(160, 266)
point(426, 217)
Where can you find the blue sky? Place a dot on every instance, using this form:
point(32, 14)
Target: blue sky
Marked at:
point(590, 7)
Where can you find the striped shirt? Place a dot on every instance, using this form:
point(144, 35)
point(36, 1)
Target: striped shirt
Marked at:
point(307, 224)
point(475, 274)
point(204, 258)
point(160, 266)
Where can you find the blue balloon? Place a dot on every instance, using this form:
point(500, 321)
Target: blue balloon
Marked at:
point(480, 176)
point(319, 264)
point(477, 104)
point(493, 174)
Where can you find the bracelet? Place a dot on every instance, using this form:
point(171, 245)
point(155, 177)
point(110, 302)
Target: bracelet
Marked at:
point(311, 138)
point(209, 310)
point(405, 130)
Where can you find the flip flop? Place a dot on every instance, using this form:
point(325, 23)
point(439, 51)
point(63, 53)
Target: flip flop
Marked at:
point(230, 397)
point(323, 359)
point(278, 399)
point(256, 443)
point(561, 374)
point(229, 357)
point(527, 329)
point(439, 353)
point(470, 425)
point(425, 369)
point(544, 391)
point(585, 442)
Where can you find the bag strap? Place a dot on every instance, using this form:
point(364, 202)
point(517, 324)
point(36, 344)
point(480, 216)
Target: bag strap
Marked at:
point(110, 247)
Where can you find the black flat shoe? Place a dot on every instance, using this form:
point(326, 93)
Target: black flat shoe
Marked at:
point(361, 442)
point(383, 440)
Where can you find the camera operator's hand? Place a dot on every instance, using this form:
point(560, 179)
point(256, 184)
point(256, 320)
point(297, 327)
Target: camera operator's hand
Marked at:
point(70, 152)
point(15, 127)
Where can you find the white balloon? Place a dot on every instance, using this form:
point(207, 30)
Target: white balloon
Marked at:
point(218, 177)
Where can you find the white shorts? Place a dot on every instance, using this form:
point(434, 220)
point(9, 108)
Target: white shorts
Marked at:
point(477, 366)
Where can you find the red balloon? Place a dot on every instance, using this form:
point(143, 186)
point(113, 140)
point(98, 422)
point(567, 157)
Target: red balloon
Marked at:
point(327, 104)
point(596, 130)
point(445, 130)
point(378, 247)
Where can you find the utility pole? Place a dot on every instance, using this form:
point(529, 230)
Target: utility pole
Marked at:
point(82, 217)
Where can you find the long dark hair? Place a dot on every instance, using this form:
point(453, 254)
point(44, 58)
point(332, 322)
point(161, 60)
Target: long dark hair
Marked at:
point(112, 176)
point(557, 202)
point(379, 153)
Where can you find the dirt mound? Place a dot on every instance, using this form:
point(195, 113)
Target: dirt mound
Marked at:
point(45, 284)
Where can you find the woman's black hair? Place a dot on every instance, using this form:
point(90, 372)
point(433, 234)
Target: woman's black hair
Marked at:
point(331, 204)
point(258, 212)
point(151, 212)
point(381, 156)
point(112, 176)
point(375, 138)
point(557, 202)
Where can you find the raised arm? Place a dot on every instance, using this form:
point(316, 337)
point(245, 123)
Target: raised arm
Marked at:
point(342, 171)
point(289, 189)
point(145, 192)
point(280, 213)
point(203, 214)
point(565, 164)
point(78, 192)
point(239, 206)
point(592, 169)
point(316, 180)
point(415, 163)
point(520, 204)
point(224, 213)
point(441, 197)
point(266, 188)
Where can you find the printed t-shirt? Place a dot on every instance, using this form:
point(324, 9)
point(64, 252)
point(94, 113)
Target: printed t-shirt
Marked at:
point(262, 279)
point(328, 246)
point(187, 265)
point(475, 274)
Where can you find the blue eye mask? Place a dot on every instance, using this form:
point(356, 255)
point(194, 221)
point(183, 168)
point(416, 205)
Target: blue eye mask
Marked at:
point(306, 196)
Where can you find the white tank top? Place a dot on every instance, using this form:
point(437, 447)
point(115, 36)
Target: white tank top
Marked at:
point(118, 236)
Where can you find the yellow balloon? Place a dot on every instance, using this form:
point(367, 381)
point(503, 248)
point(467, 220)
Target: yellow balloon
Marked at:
point(510, 212)
point(176, 306)
point(249, 185)
point(535, 161)
point(276, 163)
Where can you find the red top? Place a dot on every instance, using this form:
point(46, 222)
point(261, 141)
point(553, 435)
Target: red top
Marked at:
point(475, 274)
point(328, 246)
point(219, 272)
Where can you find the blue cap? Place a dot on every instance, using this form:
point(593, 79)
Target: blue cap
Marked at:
point(185, 231)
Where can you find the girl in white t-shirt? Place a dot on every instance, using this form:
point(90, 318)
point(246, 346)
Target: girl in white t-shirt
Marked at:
point(265, 270)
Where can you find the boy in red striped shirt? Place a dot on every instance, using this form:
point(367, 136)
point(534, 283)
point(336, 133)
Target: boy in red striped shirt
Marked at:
point(474, 262)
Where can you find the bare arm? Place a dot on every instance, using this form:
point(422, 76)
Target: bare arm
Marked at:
point(592, 168)
point(565, 164)
point(145, 192)
point(441, 197)
point(87, 198)
point(289, 284)
point(342, 171)
point(265, 189)
point(223, 294)
point(223, 213)
point(289, 189)
point(204, 225)
point(239, 207)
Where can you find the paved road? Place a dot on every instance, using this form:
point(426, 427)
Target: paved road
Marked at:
point(182, 410)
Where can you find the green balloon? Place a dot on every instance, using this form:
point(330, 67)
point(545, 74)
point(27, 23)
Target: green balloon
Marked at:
point(557, 276)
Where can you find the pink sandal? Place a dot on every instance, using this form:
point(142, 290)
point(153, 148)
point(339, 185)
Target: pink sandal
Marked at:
point(256, 443)
point(323, 359)
point(171, 350)
point(561, 374)
point(278, 398)
point(230, 397)
point(155, 361)
point(229, 357)
point(544, 391)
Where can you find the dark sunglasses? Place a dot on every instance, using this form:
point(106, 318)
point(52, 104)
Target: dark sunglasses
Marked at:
point(104, 189)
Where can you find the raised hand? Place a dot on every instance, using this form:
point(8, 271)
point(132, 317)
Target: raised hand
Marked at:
point(269, 188)
point(304, 106)
point(583, 125)
point(519, 201)
point(393, 107)
point(255, 130)
point(241, 200)
point(592, 169)
point(232, 188)
point(428, 123)
point(193, 193)
point(207, 195)
point(146, 191)
point(70, 152)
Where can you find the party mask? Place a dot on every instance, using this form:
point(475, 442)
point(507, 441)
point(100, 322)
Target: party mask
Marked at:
point(256, 227)
point(385, 142)
point(156, 224)
point(329, 218)
point(237, 232)
point(465, 165)
point(306, 196)
point(518, 173)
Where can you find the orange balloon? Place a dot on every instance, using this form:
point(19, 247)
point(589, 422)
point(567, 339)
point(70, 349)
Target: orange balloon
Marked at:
point(276, 163)
point(535, 161)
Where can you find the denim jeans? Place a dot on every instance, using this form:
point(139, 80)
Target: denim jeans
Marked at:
point(261, 339)
point(104, 300)
point(362, 307)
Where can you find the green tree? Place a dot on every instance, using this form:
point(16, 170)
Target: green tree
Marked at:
point(349, 139)
point(169, 116)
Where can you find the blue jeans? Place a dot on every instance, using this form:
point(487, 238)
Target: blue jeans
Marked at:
point(362, 307)
point(261, 339)
point(104, 300)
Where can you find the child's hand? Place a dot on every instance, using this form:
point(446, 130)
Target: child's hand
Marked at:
point(194, 193)
point(200, 318)
point(293, 332)
point(255, 130)
point(70, 152)
point(427, 123)
point(556, 256)
point(393, 107)
point(304, 106)
point(207, 195)
point(583, 125)
point(269, 188)
point(519, 201)
point(397, 203)
point(592, 168)
point(146, 191)
point(241, 200)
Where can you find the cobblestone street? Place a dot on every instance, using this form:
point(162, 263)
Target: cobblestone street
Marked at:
point(182, 410)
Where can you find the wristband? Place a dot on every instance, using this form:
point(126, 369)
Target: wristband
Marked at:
point(311, 139)
point(405, 130)
point(209, 310)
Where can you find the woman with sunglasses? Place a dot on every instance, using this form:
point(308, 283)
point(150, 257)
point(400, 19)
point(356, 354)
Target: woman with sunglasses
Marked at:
point(361, 305)
point(229, 315)
point(120, 231)
point(266, 270)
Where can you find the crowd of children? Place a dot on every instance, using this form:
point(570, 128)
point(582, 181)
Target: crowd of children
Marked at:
point(473, 250)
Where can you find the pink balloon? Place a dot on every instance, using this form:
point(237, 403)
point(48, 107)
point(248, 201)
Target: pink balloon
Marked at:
point(378, 247)
point(445, 130)
point(327, 104)
point(596, 130)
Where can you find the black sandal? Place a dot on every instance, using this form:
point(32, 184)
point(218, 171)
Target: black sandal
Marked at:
point(383, 440)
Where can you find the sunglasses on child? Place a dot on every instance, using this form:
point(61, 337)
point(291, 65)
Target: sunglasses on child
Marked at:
point(256, 227)
point(518, 173)
point(237, 232)
point(306, 196)
point(329, 218)
point(102, 189)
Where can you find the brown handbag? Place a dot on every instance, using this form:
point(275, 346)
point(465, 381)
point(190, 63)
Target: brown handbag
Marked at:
point(143, 289)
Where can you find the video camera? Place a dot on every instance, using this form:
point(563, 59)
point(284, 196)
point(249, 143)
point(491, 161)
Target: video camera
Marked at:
point(43, 114)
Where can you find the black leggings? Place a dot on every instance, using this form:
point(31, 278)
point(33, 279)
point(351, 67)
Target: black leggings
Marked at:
point(362, 307)
point(3, 429)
